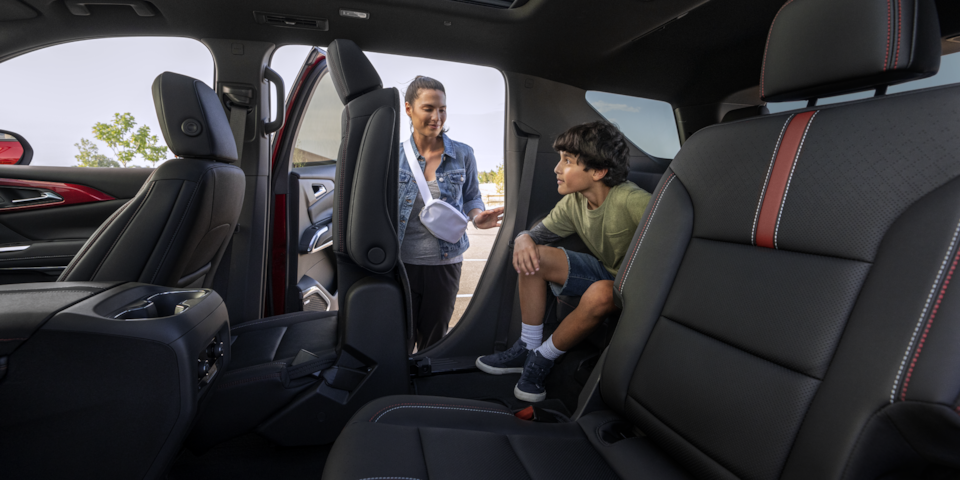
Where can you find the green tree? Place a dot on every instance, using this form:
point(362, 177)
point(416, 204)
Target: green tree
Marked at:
point(126, 142)
point(498, 179)
point(90, 155)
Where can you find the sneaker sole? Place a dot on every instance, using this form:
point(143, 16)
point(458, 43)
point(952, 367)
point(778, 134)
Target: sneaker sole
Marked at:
point(529, 397)
point(495, 370)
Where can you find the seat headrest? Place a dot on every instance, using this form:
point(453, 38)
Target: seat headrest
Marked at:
point(821, 48)
point(192, 119)
point(353, 74)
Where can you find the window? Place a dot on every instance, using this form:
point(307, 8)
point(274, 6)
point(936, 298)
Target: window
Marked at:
point(55, 96)
point(649, 124)
point(318, 136)
point(949, 73)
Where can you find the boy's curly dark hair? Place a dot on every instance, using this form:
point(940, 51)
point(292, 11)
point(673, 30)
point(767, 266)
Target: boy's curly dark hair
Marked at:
point(597, 145)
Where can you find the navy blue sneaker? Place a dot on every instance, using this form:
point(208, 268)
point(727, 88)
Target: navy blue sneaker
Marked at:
point(508, 361)
point(530, 388)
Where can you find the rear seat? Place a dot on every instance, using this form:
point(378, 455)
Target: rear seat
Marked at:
point(786, 311)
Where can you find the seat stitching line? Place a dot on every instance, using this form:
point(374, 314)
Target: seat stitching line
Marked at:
point(392, 408)
point(886, 56)
point(763, 68)
point(926, 329)
point(93, 238)
point(896, 61)
point(796, 159)
point(32, 258)
point(766, 181)
point(730, 242)
point(124, 230)
point(183, 216)
point(643, 232)
point(748, 352)
point(923, 313)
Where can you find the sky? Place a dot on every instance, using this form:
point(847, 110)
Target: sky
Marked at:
point(54, 96)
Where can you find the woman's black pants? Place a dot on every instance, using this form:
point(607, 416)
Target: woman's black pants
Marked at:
point(433, 290)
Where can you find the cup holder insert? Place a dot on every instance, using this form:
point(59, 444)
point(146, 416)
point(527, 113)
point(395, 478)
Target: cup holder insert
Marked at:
point(163, 304)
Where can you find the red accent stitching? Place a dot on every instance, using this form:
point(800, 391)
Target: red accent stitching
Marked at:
point(926, 328)
point(896, 61)
point(886, 56)
point(763, 68)
point(434, 405)
point(662, 187)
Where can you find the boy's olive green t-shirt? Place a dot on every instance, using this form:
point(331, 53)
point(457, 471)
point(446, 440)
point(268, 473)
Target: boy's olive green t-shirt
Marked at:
point(607, 230)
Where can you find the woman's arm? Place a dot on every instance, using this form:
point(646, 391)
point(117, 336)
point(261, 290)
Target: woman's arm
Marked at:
point(471, 185)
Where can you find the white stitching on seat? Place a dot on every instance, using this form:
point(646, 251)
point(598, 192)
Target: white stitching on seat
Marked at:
point(439, 408)
point(786, 190)
point(650, 222)
point(766, 181)
point(923, 313)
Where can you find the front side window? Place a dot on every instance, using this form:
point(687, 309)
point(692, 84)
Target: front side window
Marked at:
point(89, 103)
point(649, 124)
point(318, 136)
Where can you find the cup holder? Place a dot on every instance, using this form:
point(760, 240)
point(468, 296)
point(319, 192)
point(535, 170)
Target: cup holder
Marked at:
point(163, 304)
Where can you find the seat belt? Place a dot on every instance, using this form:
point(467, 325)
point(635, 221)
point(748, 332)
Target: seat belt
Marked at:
point(507, 307)
point(239, 100)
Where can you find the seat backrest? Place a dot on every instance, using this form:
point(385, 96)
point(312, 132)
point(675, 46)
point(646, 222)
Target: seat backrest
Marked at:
point(174, 231)
point(786, 311)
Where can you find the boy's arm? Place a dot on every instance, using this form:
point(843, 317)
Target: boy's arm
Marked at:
point(540, 234)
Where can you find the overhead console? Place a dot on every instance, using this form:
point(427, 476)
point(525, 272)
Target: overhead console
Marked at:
point(104, 379)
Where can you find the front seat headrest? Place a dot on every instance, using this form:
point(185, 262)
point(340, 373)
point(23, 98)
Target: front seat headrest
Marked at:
point(353, 74)
point(821, 48)
point(192, 119)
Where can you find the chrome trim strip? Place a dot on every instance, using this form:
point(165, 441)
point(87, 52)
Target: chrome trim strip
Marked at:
point(39, 269)
point(18, 248)
point(43, 196)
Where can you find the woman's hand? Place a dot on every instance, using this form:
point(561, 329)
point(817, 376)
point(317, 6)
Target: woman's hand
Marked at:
point(526, 256)
point(488, 218)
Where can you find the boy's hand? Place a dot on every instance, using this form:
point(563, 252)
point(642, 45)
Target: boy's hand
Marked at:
point(526, 256)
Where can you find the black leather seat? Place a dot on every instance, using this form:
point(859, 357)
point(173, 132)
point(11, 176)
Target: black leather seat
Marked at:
point(371, 325)
point(174, 231)
point(786, 302)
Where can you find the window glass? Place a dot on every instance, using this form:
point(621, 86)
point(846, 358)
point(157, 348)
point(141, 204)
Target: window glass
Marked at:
point(649, 124)
point(949, 73)
point(318, 136)
point(57, 96)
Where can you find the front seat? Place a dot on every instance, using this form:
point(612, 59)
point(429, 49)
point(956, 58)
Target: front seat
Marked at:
point(360, 349)
point(174, 231)
point(787, 310)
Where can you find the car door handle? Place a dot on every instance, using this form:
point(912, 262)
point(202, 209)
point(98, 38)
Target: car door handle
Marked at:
point(316, 238)
point(319, 191)
point(43, 196)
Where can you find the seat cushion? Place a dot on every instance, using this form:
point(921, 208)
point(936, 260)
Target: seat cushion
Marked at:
point(420, 437)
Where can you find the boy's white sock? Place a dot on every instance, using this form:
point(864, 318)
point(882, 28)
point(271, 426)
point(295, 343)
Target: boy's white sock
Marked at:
point(549, 351)
point(532, 335)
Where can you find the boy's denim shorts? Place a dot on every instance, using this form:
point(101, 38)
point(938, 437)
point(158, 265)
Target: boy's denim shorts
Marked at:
point(583, 270)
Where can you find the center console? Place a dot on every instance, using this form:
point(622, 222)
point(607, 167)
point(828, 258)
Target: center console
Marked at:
point(104, 380)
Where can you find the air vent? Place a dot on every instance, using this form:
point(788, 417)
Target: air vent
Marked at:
point(500, 4)
point(292, 21)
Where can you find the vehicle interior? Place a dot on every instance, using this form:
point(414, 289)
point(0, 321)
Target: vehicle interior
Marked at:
point(235, 313)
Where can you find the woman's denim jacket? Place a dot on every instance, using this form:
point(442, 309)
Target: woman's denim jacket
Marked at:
point(459, 186)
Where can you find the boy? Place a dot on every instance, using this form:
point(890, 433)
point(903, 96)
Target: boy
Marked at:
point(603, 208)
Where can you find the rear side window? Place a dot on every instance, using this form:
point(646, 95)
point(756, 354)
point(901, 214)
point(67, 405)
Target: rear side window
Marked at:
point(649, 124)
point(949, 73)
point(318, 136)
point(89, 103)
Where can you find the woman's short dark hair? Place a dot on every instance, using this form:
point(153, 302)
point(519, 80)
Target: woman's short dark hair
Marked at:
point(597, 145)
point(420, 83)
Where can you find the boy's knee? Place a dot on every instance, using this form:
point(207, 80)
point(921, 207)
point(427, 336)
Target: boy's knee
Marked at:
point(599, 297)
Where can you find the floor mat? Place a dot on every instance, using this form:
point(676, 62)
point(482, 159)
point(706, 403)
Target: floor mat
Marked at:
point(250, 457)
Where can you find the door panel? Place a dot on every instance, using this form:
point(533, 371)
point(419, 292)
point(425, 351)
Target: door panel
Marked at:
point(47, 213)
point(316, 265)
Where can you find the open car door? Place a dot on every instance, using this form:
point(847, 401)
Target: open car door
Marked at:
point(303, 269)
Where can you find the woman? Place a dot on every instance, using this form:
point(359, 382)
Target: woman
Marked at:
point(433, 265)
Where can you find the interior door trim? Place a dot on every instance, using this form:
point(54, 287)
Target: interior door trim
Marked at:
point(71, 194)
